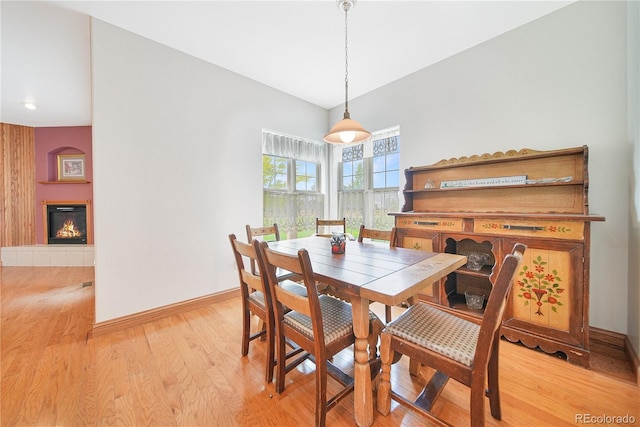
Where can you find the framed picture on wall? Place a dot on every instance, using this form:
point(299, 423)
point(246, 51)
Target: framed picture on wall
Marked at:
point(71, 167)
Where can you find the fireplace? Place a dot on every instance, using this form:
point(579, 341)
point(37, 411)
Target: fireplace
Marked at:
point(66, 224)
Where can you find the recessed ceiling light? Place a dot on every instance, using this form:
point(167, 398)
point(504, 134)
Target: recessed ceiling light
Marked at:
point(29, 105)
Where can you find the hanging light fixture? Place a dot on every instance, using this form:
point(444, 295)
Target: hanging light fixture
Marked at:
point(346, 130)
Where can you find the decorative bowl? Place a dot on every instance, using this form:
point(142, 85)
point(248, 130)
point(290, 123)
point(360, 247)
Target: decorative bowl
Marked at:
point(474, 300)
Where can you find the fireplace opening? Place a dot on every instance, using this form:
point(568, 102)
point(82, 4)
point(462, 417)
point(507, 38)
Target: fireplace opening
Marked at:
point(67, 224)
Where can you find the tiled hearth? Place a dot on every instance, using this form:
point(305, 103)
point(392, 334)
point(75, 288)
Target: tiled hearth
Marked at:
point(47, 256)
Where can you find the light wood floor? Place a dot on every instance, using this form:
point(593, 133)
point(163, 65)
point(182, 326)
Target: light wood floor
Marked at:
point(187, 371)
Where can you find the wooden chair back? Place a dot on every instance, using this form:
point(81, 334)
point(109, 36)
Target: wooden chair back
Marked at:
point(283, 299)
point(256, 299)
point(494, 310)
point(369, 233)
point(326, 224)
point(259, 233)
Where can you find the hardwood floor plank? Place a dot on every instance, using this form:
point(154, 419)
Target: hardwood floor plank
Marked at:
point(187, 370)
point(105, 395)
point(126, 410)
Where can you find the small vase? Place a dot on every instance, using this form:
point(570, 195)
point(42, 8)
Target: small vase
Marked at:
point(338, 243)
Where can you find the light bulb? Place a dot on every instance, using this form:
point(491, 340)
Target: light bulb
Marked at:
point(347, 136)
point(29, 105)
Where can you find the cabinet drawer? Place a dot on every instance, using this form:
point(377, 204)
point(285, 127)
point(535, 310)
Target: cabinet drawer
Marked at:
point(429, 223)
point(570, 230)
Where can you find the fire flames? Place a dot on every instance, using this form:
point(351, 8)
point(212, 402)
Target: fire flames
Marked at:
point(68, 230)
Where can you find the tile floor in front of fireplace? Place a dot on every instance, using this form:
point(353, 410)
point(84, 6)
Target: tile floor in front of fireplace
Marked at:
point(47, 256)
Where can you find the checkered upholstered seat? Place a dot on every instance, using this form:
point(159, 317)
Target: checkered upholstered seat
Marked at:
point(455, 345)
point(336, 319)
point(437, 330)
point(294, 287)
point(258, 297)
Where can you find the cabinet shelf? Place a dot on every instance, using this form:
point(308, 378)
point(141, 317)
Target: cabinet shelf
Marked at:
point(458, 302)
point(485, 272)
point(493, 187)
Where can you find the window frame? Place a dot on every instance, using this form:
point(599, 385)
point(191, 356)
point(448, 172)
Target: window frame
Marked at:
point(292, 175)
point(316, 176)
point(359, 157)
point(363, 205)
point(287, 173)
point(385, 171)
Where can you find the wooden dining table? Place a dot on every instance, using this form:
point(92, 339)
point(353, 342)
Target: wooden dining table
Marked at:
point(371, 271)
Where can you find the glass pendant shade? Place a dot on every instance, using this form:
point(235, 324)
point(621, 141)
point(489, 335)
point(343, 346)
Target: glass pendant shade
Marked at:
point(347, 130)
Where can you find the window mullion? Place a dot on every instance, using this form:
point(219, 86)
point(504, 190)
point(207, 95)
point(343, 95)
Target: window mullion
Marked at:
point(368, 174)
point(291, 175)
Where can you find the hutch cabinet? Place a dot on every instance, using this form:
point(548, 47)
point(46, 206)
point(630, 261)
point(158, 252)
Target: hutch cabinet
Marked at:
point(481, 206)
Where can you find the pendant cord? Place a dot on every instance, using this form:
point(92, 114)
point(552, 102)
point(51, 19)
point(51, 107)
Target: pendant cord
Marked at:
point(346, 63)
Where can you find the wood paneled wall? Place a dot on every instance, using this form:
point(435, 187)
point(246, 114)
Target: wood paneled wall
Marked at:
point(17, 185)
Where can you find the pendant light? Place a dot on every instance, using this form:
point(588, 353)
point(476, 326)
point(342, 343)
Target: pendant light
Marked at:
point(346, 130)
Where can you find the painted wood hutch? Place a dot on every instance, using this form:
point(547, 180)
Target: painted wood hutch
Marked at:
point(485, 204)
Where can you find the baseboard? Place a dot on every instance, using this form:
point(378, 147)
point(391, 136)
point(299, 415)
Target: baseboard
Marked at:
point(603, 336)
point(620, 341)
point(137, 319)
point(633, 359)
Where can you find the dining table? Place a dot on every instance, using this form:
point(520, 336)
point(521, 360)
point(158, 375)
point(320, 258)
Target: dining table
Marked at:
point(371, 271)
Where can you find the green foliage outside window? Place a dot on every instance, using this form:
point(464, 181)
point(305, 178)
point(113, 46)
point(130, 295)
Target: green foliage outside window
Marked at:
point(274, 173)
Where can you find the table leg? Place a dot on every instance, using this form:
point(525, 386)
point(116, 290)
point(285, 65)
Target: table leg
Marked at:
point(363, 394)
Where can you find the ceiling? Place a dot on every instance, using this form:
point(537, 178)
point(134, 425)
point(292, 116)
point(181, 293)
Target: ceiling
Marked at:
point(294, 46)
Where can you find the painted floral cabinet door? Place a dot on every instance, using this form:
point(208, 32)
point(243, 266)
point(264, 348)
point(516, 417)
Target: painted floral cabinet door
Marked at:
point(547, 294)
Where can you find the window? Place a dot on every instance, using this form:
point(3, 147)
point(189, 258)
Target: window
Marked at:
point(291, 175)
point(352, 168)
point(306, 175)
point(370, 181)
point(386, 163)
point(274, 172)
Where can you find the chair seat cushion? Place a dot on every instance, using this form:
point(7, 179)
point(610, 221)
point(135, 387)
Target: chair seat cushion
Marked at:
point(437, 331)
point(257, 297)
point(294, 287)
point(336, 319)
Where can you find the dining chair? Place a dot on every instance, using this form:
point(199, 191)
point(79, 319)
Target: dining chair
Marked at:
point(318, 323)
point(327, 224)
point(456, 346)
point(370, 233)
point(388, 235)
point(268, 233)
point(261, 233)
point(257, 232)
point(256, 300)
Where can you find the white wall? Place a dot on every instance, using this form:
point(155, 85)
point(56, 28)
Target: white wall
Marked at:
point(633, 78)
point(177, 167)
point(560, 81)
